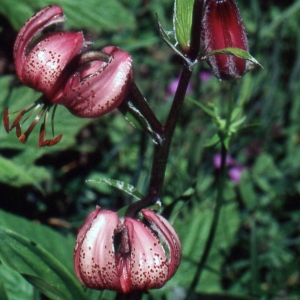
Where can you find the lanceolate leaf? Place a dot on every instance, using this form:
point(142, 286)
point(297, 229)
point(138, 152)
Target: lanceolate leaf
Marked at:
point(39, 267)
point(233, 51)
point(182, 22)
point(13, 286)
point(60, 246)
point(125, 187)
point(166, 38)
point(94, 14)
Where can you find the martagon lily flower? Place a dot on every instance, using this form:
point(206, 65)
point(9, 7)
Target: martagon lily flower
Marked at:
point(139, 264)
point(89, 84)
point(222, 27)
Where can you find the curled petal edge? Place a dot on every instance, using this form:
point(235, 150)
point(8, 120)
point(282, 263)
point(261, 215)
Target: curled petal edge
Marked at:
point(168, 234)
point(52, 14)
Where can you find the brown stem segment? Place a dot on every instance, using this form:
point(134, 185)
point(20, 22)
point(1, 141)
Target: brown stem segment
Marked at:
point(161, 150)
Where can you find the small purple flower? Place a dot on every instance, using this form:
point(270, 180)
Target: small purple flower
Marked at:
point(217, 161)
point(205, 76)
point(172, 87)
point(236, 170)
point(235, 173)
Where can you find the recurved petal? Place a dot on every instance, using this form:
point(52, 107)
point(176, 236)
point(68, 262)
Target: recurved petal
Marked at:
point(47, 59)
point(168, 234)
point(100, 92)
point(149, 263)
point(45, 17)
point(94, 256)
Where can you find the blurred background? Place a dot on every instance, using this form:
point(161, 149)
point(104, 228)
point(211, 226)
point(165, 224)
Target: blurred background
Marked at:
point(255, 254)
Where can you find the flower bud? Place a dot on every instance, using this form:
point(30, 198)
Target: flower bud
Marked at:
point(222, 27)
point(139, 264)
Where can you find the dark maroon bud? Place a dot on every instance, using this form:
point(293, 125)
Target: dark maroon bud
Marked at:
point(222, 27)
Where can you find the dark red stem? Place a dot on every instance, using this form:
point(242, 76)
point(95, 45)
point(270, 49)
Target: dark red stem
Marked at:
point(161, 150)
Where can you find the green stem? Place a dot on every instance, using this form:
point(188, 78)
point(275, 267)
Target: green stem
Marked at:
point(214, 225)
point(253, 257)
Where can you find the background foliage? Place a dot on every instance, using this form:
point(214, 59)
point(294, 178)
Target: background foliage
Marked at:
point(45, 195)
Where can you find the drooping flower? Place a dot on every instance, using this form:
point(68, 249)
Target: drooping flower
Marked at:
point(89, 84)
point(97, 87)
point(140, 263)
point(222, 27)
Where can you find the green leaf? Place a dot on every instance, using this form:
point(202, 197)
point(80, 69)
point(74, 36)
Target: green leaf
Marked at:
point(38, 266)
point(166, 38)
point(233, 51)
point(60, 246)
point(94, 14)
point(13, 286)
point(208, 110)
point(198, 220)
point(182, 22)
point(3, 295)
point(125, 187)
point(16, 175)
point(16, 14)
point(214, 140)
point(18, 97)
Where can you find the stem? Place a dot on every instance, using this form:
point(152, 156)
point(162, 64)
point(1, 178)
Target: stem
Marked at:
point(130, 296)
point(253, 258)
point(161, 150)
point(214, 224)
point(140, 102)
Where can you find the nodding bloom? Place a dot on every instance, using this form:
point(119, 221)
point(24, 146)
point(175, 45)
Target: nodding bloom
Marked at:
point(89, 84)
point(127, 254)
point(222, 27)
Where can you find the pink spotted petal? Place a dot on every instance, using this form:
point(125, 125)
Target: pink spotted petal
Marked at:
point(48, 58)
point(124, 271)
point(168, 234)
point(149, 263)
point(49, 15)
point(94, 256)
point(99, 92)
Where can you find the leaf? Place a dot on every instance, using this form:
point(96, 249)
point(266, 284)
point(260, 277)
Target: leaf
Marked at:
point(38, 266)
point(3, 295)
point(214, 140)
point(125, 187)
point(182, 22)
point(18, 97)
point(94, 14)
point(16, 14)
point(233, 51)
point(138, 120)
point(13, 286)
point(16, 175)
point(205, 108)
point(166, 38)
point(198, 220)
point(60, 246)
